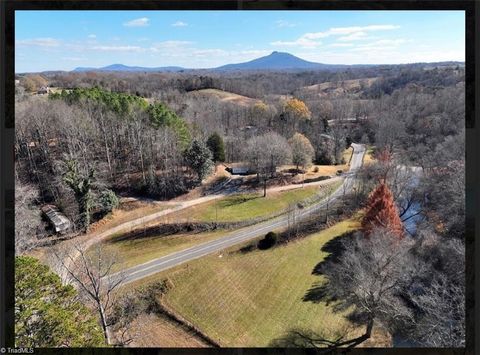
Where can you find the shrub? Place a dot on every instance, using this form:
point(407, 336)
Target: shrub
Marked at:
point(268, 241)
point(108, 201)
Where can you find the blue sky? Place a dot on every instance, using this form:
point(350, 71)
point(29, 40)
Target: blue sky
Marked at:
point(64, 40)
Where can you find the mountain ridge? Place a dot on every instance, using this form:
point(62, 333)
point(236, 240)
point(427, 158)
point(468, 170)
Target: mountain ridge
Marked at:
point(279, 61)
point(274, 61)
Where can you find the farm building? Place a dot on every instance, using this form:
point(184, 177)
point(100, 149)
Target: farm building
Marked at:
point(239, 170)
point(58, 220)
point(43, 90)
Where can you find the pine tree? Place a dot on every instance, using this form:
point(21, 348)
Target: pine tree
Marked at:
point(81, 186)
point(216, 146)
point(49, 314)
point(382, 212)
point(199, 158)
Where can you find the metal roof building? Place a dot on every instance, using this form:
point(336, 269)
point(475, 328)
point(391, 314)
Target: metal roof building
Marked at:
point(57, 219)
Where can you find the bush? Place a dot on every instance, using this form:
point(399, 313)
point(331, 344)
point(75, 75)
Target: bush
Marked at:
point(268, 241)
point(315, 170)
point(108, 201)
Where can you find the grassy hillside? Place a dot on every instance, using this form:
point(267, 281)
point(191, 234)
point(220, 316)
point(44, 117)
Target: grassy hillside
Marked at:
point(251, 299)
point(336, 89)
point(243, 207)
point(138, 250)
point(226, 96)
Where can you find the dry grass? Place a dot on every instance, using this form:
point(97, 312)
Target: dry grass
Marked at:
point(126, 214)
point(333, 89)
point(368, 158)
point(159, 332)
point(322, 170)
point(226, 96)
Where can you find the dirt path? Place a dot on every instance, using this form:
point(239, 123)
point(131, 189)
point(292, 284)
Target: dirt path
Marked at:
point(127, 226)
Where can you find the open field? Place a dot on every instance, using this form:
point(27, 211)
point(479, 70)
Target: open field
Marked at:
point(243, 207)
point(157, 331)
point(251, 299)
point(334, 89)
point(226, 96)
point(139, 249)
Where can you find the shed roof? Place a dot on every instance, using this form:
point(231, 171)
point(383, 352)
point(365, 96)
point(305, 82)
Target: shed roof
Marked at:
point(58, 219)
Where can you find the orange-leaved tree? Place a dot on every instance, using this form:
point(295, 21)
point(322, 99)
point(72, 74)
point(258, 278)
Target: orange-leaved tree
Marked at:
point(382, 212)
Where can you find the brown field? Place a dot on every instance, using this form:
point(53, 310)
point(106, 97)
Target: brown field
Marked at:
point(158, 332)
point(330, 88)
point(226, 96)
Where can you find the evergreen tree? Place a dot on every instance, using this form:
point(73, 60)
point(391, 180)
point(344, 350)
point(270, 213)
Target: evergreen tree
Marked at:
point(216, 146)
point(81, 186)
point(108, 201)
point(199, 158)
point(49, 314)
point(382, 212)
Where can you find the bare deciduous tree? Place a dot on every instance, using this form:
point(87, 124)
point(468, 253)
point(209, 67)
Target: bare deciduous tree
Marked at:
point(27, 216)
point(265, 153)
point(91, 270)
point(302, 150)
point(367, 275)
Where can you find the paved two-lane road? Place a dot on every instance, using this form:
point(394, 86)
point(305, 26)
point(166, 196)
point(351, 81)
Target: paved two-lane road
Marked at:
point(154, 266)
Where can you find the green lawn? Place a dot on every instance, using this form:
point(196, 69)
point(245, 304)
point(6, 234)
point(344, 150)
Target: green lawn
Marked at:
point(243, 207)
point(250, 299)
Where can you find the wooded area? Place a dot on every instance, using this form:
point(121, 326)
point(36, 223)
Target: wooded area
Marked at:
point(105, 135)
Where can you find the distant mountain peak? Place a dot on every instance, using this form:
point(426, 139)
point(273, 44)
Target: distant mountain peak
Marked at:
point(274, 61)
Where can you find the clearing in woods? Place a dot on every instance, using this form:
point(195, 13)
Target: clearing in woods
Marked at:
point(226, 96)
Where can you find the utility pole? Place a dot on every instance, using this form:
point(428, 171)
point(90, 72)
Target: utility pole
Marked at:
point(326, 212)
